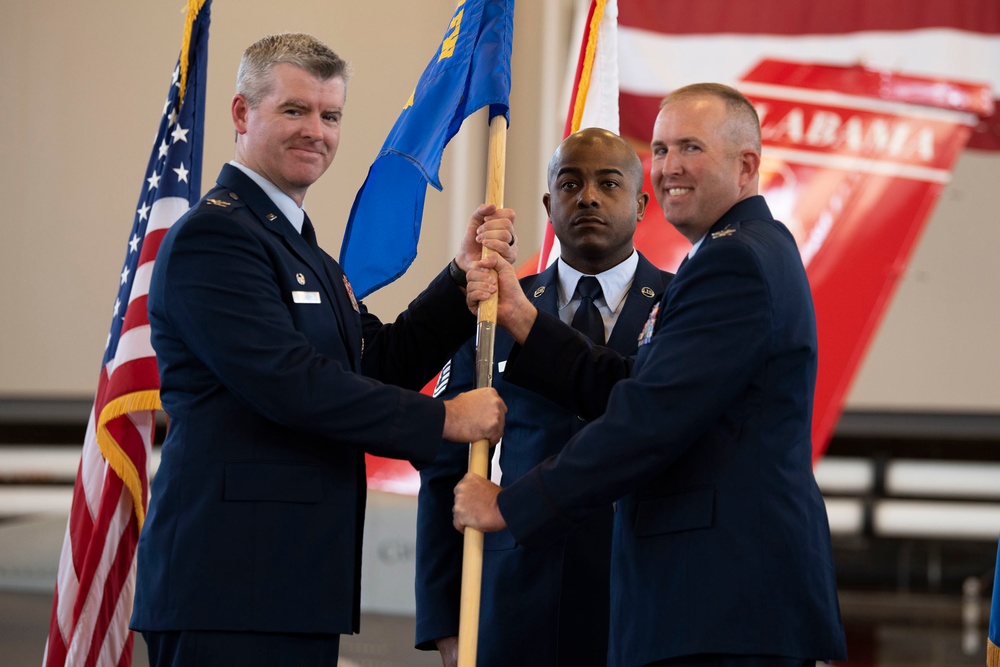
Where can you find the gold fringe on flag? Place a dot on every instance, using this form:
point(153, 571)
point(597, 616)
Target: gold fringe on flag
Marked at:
point(193, 7)
point(140, 401)
point(588, 64)
point(992, 654)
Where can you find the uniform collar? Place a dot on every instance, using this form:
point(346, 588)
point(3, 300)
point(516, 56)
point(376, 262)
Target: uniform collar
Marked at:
point(285, 204)
point(614, 282)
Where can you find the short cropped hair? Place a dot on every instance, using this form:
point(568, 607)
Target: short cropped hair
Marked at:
point(743, 121)
point(253, 80)
point(599, 135)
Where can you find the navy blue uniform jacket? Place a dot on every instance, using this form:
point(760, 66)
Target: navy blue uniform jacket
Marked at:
point(721, 541)
point(541, 607)
point(257, 508)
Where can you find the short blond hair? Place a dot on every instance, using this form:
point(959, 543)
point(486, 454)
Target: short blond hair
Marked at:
point(742, 118)
point(253, 80)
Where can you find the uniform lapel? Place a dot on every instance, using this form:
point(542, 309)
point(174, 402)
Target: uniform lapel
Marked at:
point(646, 290)
point(543, 291)
point(330, 277)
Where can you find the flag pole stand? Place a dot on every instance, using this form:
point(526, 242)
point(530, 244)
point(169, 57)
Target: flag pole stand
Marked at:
point(479, 451)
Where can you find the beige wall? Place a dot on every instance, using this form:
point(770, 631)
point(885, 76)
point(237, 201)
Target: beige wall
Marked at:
point(83, 84)
point(937, 346)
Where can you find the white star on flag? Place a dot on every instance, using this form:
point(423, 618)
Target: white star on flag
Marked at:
point(154, 181)
point(179, 134)
point(124, 275)
point(182, 173)
point(143, 211)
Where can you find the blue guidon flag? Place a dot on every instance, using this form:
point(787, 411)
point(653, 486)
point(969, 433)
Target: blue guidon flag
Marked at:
point(470, 70)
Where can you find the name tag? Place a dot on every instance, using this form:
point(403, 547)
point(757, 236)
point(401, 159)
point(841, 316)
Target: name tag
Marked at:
point(305, 297)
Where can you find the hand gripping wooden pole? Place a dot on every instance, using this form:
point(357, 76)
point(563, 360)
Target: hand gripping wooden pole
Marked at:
point(479, 451)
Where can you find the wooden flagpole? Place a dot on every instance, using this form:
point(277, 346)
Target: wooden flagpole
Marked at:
point(479, 451)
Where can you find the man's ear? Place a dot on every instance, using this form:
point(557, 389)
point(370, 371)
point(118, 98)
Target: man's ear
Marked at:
point(641, 201)
point(547, 202)
point(749, 164)
point(240, 110)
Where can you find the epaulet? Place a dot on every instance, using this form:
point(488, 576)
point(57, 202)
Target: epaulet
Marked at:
point(220, 200)
point(728, 230)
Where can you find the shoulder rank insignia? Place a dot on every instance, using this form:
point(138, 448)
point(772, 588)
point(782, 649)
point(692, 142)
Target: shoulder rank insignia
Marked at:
point(218, 202)
point(728, 231)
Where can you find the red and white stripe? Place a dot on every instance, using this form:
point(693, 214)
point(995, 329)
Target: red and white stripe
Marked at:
point(96, 577)
point(666, 44)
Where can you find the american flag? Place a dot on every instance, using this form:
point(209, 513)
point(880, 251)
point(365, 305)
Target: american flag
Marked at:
point(96, 578)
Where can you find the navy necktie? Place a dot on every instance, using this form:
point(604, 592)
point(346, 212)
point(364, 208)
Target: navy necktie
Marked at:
point(587, 319)
point(309, 232)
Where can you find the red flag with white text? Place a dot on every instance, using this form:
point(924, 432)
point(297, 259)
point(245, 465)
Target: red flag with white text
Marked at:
point(865, 106)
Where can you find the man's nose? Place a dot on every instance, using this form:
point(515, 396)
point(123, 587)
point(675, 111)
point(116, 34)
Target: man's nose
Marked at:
point(588, 196)
point(670, 164)
point(661, 171)
point(313, 126)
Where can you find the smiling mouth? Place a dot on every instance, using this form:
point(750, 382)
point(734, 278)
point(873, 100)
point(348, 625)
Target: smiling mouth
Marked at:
point(677, 192)
point(305, 149)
